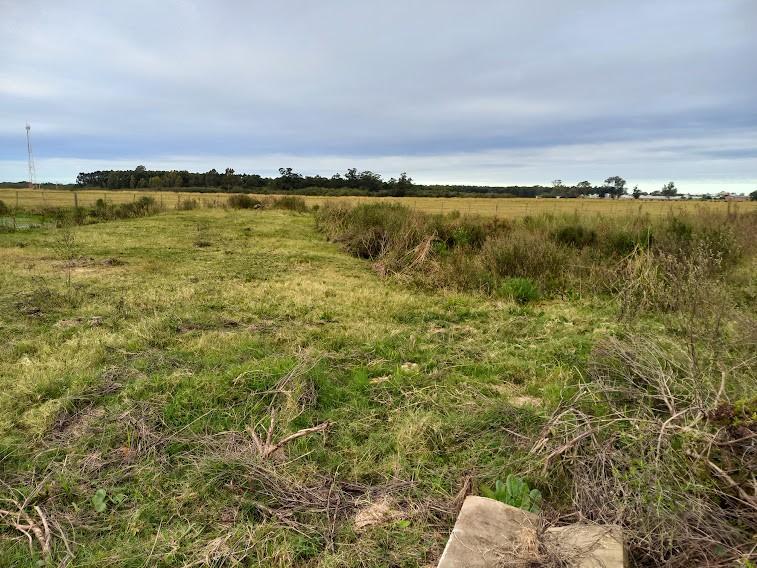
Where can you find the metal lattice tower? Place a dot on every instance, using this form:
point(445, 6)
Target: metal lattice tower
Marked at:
point(32, 171)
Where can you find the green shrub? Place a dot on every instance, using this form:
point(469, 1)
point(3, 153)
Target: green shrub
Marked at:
point(241, 201)
point(461, 270)
point(721, 243)
point(525, 255)
point(375, 228)
point(677, 236)
point(3, 208)
point(79, 215)
point(458, 231)
point(140, 208)
point(292, 203)
point(575, 236)
point(188, 204)
point(623, 242)
point(521, 290)
point(441, 249)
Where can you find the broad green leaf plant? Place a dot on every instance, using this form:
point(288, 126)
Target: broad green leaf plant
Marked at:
point(514, 491)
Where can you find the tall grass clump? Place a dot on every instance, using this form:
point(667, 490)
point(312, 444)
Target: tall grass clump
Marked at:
point(291, 202)
point(521, 290)
point(288, 202)
point(242, 201)
point(526, 254)
point(370, 231)
point(188, 204)
point(622, 242)
point(575, 235)
point(444, 250)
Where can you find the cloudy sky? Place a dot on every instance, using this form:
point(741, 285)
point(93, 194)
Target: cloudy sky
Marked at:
point(483, 92)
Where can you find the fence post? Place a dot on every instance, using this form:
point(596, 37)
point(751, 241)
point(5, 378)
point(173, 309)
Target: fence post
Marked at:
point(76, 201)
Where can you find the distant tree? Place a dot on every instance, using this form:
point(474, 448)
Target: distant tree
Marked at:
point(156, 182)
point(370, 181)
point(287, 180)
point(404, 184)
point(212, 178)
point(615, 186)
point(669, 190)
point(557, 183)
point(352, 177)
point(753, 195)
point(228, 178)
point(636, 192)
point(140, 169)
point(583, 185)
point(113, 180)
point(173, 179)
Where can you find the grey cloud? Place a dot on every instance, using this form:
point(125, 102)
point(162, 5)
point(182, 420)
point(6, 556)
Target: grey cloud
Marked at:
point(394, 78)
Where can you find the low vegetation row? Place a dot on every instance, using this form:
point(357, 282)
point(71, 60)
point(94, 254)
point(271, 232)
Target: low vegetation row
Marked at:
point(543, 254)
point(12, 218)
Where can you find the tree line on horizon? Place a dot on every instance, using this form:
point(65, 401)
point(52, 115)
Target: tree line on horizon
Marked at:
point(352, 182)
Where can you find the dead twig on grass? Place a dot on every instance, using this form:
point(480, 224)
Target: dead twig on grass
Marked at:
point(20, 514)
point(289, 399)
point(266, 447)
point(22, 522)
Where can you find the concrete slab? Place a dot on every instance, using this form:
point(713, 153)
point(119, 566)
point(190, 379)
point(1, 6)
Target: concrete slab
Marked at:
point(589, 546)
point(486, 533)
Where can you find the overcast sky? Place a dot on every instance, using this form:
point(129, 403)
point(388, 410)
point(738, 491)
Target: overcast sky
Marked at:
point(485, 92)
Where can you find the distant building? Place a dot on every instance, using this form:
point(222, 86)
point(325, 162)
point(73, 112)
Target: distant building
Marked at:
point(662, 197)
point(734, 197)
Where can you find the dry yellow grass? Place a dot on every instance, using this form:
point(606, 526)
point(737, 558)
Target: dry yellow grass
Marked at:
point(466, 205)
point(514, 207)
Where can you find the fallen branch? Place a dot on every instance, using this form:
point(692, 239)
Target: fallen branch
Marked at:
point(266, 447)
point(745, 498)
point(23, 523)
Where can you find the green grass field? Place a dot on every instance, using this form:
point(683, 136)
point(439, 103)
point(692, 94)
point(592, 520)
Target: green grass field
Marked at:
point(138, 357)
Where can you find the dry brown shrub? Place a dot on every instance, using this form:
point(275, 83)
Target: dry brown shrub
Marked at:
point(640, 449)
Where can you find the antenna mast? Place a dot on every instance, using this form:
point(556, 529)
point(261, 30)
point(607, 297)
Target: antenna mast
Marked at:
point(32, 171)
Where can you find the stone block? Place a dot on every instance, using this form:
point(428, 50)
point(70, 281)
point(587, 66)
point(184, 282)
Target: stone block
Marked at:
point(589, 546)
point(487, 532)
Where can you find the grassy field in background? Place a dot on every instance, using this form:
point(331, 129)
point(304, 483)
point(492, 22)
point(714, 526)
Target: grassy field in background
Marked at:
point(474, 206)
